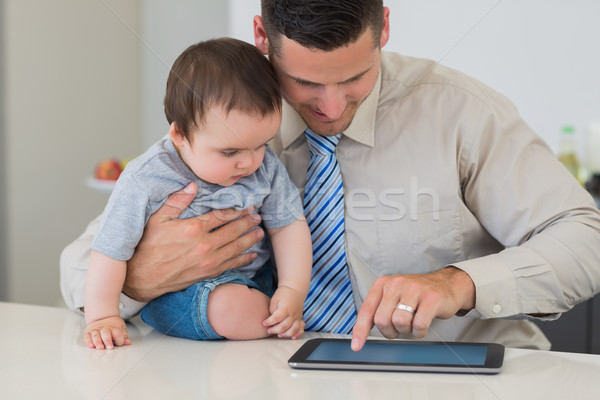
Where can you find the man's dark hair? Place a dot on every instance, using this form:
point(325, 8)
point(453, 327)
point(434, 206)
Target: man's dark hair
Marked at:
point(226, 73)
point(321, 24)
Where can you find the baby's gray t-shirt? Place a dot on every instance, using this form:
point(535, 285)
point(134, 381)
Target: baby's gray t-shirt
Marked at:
point(148, 180)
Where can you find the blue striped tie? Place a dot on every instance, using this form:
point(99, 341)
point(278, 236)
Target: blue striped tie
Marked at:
point(329, 306)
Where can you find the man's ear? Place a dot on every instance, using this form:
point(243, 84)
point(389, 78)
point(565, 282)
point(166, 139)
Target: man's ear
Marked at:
point(176, 135)
point(385, 31)
point(260, 36)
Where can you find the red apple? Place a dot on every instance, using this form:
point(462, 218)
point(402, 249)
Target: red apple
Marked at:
point(108, 169)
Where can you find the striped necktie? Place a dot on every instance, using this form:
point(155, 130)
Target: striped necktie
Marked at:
point(329, 306)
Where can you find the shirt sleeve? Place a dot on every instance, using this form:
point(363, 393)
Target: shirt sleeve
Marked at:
point(74, 261)
point(123, 220)
point(526, 199)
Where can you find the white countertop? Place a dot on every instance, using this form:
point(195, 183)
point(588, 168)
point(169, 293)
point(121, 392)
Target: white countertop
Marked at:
point(42, 356)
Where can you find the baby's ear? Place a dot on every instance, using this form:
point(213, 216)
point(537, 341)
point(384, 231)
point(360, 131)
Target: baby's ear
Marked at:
point(176, 135)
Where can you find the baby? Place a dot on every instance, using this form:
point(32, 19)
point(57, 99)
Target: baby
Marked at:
point(223, 104)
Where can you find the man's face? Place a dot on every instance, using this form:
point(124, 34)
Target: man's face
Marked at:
point(326, 88)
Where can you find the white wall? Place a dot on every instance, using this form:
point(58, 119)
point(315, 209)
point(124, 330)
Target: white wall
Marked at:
point(168, 28)
point(241, 16)
point(71, 95)
point(542, 54)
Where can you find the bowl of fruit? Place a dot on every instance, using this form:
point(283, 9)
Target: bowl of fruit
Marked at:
point(106, 173)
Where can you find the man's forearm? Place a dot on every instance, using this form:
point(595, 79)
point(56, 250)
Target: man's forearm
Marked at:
point(74, 261)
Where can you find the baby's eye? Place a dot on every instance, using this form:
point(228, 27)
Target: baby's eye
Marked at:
point(229, 153)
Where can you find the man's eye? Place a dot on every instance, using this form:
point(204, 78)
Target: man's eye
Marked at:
point(230, 153)
point(354, 79)
point(304, 83)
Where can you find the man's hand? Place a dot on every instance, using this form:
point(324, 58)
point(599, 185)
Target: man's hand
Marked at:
point(176, 253)
point(439, 294)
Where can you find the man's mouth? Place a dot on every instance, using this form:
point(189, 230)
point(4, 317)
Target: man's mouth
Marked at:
point(320, 116)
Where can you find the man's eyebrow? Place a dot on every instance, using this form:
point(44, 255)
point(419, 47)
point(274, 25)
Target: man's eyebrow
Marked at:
point(351, 79)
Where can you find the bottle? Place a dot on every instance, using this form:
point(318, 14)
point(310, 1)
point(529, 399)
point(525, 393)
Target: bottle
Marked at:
point(592, 183)
point(567, 152)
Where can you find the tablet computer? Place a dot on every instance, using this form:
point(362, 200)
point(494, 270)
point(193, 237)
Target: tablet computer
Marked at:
point(400, 355)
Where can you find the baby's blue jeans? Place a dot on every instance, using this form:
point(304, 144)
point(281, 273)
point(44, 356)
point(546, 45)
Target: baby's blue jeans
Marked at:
point(184, 314)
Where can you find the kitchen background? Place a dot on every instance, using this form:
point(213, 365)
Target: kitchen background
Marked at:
point(81, 81)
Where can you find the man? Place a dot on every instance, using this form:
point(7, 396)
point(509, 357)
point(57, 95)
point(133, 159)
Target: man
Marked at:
point(457, 216)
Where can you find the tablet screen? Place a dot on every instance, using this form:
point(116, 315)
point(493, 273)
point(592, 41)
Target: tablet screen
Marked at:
point(407, 353)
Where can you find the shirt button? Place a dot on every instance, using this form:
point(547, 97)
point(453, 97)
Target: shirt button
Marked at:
point(497, 308)
point(121, 306)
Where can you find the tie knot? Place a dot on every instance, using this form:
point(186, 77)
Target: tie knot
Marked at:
point(322, 145)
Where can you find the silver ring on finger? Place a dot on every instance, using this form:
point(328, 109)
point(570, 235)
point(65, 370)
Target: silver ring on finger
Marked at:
point(404, 307)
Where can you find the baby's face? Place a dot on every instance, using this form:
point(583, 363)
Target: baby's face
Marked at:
point(227, 146)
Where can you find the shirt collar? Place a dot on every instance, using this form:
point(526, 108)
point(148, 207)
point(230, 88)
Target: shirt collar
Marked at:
point(362, 128)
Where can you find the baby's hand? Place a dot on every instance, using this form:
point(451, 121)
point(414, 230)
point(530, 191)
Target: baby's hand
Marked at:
point(105, 333)
point(286, 313)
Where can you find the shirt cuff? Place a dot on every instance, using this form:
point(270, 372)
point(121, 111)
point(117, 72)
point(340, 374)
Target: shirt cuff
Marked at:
point(129, 307)
point(495, 287)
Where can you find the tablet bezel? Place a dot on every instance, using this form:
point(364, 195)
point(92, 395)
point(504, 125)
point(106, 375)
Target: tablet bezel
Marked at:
point(492, 365)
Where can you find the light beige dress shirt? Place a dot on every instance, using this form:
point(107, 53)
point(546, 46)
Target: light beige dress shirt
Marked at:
point(441, 170)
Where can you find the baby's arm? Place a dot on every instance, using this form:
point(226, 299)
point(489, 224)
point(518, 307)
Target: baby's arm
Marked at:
point(292, 247)
point(103, 285)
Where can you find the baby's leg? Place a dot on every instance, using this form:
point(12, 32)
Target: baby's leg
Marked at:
point(236, 311)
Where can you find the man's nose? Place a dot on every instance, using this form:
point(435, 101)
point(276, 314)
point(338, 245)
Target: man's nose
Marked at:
point(332, 102)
